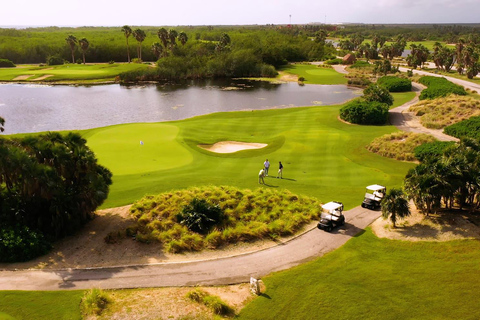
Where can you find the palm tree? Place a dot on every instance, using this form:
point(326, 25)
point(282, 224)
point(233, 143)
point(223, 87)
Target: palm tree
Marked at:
point(163, 36)
point(172, 36)
point(2, 124)
point(127, 31)
point(139, 35)
point(183, 38)
point(72, 41)
point(84, 44)
point(395, 205)
point(157, 49)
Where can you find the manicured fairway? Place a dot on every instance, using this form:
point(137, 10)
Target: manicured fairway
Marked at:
point(315, 75)
point(41, 305)
point(69, 72)
point(371, 278)
point(400, 98)
point(323, 157)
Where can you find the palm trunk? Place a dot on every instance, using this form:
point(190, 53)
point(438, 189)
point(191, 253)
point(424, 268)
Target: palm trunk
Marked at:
point(128, 52)
point(73, 57)
point(84, 58)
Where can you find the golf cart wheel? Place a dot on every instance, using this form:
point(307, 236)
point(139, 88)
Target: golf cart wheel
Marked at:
point(328, 229)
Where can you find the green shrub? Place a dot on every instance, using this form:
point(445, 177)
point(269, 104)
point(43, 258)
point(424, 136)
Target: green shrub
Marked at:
point(399, 145)
point(5, 63)
point(377, 93)
point(365, 112)
point(395, 84)
point(217, 305)
point(20, 243)
point(334, 61)
point(439, 87)
point(79, 61)
point(55, 61)
point(467, 128)
point(361, 64)
point(200, 216)
point(94, 302)
point(360, 82)
point(431, 149)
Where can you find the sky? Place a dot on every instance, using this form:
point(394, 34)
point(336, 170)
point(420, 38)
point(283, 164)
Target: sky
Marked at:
point(225, 12)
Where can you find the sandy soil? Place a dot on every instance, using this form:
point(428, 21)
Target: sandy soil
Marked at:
point(287, 77)
point(42, 77)
point(443, 226)
point(231, 146)
point(23, 77)
point(171, 303)
point(88, 248)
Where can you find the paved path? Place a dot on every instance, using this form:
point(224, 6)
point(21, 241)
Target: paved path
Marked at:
point(225, 271)
point(407, 121)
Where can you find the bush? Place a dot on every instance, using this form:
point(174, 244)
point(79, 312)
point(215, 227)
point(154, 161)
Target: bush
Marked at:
point(439, 87)
point(365, 112)
point(360, 64)
point(399, 145)
point(111, 62)
point(377, 93)
point(200, 216)
point(54, 61)
point(431, 150)
point(20, 243)
point(395, 84)
point(217, 305)
point(334, 61)
point(409, 73)
point(136, 60)
point(5, 63)
point(79, 61)
point(467, 128)
point(360, 82)
point(94, 302)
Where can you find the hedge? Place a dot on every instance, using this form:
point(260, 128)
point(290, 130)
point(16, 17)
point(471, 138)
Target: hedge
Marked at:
point(467, 128)
point(21, 243)
point(431, 149)
point(365, 112)
point(439, 87)
point(5, 63)
point(395, 84)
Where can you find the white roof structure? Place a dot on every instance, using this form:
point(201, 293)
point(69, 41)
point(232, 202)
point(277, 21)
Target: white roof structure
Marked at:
point(375, 187)
point(331, 206)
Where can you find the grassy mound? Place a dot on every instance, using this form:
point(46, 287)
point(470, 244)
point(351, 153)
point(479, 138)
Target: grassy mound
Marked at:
point(442, 112)
point(315, 75)
point(396, 84)
point(250, 215)
point(439, 87)
point(399, 145)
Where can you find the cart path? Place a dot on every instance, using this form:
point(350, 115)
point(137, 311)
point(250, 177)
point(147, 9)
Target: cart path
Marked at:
point(232, 270)
point(407, 121)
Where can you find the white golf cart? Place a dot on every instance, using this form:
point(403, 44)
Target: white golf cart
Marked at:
point(332, 217)
point(374, 196)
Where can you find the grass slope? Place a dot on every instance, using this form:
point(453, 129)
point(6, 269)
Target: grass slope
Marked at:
point(400, 98)
point(323, 157)
point(315, 75)
point(40, 305)
point(70, 72)
point(372, 278)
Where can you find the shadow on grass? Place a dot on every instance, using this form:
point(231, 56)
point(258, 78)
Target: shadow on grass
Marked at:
point(290, 179)
point(264, 295)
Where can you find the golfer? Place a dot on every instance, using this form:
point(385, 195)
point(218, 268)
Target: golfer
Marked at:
point(266, 165)
point(280, 170)
point(261, 174)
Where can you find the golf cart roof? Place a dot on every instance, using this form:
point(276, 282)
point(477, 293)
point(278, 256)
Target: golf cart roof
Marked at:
point(375, 187)
point(332, 205)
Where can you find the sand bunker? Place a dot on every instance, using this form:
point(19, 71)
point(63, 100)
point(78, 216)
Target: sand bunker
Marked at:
point(23, 77)
point(231, 146)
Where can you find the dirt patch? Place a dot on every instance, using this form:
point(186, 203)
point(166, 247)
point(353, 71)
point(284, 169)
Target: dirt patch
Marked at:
point(23, 77)
point(443, 226)
point(88, 248)
point(42, 77)
point(288, 77)
point(171, 303)
point(231, 146)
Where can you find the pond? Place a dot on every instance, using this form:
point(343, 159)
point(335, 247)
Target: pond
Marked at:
point(34, 108)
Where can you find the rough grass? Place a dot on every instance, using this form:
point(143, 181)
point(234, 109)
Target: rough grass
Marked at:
point(372, 278)
point(467, 128)
point(94, 301)
point(441, 112)
point(217, 305)
point(70, 72)
point(315, 75)
point(250, 215)
point(41, 305)
point(399, 145)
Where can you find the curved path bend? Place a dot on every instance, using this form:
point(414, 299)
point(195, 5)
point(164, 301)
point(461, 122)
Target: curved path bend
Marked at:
point(306, 247)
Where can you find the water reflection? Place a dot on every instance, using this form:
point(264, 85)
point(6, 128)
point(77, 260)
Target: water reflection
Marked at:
point(34, 108)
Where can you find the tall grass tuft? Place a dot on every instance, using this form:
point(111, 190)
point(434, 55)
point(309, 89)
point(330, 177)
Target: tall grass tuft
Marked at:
point(399, 145)
point(94, 302)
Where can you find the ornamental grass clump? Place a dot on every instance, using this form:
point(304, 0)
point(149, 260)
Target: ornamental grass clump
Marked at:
point(442, 112)
point(399, 145)
point(211, 217)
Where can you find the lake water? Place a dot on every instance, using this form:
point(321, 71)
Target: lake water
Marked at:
point(35, 108)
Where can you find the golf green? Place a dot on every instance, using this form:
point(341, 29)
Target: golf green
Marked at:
point(139, 148)
point(315, 75)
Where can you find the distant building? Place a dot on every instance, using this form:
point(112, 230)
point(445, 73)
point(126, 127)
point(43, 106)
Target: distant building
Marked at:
point(349, 59)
